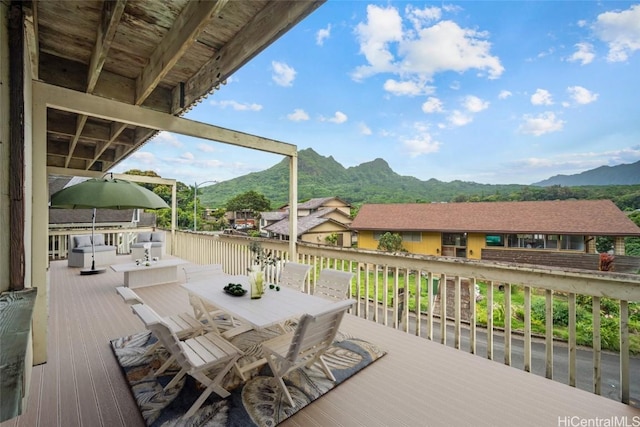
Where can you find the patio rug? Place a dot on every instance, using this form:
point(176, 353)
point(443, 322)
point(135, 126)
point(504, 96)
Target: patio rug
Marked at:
point(258, 402)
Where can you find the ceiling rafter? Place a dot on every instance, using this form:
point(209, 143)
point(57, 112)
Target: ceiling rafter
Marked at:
point(111, 14)
point(193, 19)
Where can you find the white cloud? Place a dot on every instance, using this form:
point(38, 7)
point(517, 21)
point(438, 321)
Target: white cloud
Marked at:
point(165, 137)
point(418, 17)
point(581, 95)
point(237, 106)
point(422, 143)
point(187, 156)
point(338, 117)
point(283, 74)
point(424, 50)
point(364, 129)
point(584, 54)
point(407, 88)
point(448, 47)
point(504, 94)
point(322, 35)
point(298, 115)
point(473, 104)
point(432, 105)
point(458, 118)
point(383, 26)
point(540, 124)
point(621, 31)
point(207, 148)
point(144, 157)
point(541, 97)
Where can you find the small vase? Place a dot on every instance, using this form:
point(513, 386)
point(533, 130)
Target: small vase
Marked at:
point(256, 282)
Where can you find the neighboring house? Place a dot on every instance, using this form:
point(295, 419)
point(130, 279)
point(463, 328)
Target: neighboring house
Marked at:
point(525, 232)
point(243, 219)
point(318, 219)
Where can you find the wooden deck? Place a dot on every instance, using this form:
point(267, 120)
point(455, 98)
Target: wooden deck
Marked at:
point(418, 383)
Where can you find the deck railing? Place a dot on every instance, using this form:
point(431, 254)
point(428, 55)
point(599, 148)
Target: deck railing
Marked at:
point(420, 309)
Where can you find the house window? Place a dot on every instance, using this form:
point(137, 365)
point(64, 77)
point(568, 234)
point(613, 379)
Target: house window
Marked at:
point(494, 240)
point(545, 241)
point(454, 239)
point(411, 236)
point(573, 243)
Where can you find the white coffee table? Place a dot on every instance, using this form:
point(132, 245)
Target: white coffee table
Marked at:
point(159, 272)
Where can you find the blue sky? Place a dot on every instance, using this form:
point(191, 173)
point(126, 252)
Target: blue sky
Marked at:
point(496, 92)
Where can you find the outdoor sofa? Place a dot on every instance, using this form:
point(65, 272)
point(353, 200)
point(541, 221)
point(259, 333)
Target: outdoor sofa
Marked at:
point(156, 238)
point(80, 251)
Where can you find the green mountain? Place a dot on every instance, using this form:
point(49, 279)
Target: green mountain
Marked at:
point(627, 174)
point(371, 182)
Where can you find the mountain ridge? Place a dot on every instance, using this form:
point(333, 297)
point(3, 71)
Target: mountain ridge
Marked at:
point(624, 174)
point(375, 182)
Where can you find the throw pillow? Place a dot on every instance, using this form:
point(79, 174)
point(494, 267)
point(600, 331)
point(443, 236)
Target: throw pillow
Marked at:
point(158, 236)
point(144, 237)
point(98, 240)
point(81, 241)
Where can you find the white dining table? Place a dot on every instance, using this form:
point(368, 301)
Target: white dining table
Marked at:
point(274, 308)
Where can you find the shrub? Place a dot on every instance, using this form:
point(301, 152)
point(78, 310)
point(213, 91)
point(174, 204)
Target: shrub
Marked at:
point(560, 312)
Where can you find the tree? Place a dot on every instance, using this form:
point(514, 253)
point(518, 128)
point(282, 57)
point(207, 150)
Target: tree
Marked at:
point(390, 242)
point(250, 200)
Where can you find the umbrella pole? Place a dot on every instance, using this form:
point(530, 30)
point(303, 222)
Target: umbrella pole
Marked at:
point(93, 270)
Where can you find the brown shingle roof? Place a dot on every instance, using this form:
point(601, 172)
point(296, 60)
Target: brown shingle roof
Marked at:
point(592, 217)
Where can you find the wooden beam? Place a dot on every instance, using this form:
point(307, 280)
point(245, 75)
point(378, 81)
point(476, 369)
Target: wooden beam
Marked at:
point(111, 14)
point(30, 10)
point(82, 103)
point(266, 27)
point(81, 120)
point(16, 148)
point(186, 28)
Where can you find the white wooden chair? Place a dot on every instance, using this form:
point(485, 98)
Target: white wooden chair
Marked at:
point(306, 345)
point(183, 325)
point(198, 357)
point(294, 275)
point(333, 284)
point(216, 319)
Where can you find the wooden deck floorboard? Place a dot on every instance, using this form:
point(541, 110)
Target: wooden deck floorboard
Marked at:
point(418, 383)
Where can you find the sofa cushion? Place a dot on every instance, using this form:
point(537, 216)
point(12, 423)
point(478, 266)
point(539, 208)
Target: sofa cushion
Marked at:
point(143, 237)
point(157, 236)
point(81, 241)
point(98, 239)
point(89, 249)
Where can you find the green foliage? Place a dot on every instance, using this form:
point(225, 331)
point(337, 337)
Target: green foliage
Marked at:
point(390, 242)
point(604, 244)
point(560, 312)
point(332, 238)
point(251, 200)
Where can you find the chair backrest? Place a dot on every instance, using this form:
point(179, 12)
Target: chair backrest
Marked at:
point(194, 273)
point(170, 342)
point(316, 331)
point(333, 284)
point(294, 275)
point(153, 322)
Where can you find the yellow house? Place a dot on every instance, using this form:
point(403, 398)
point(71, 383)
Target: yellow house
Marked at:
point(509, 231)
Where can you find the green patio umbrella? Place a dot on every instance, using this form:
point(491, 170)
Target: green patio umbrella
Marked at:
point(105, 193)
